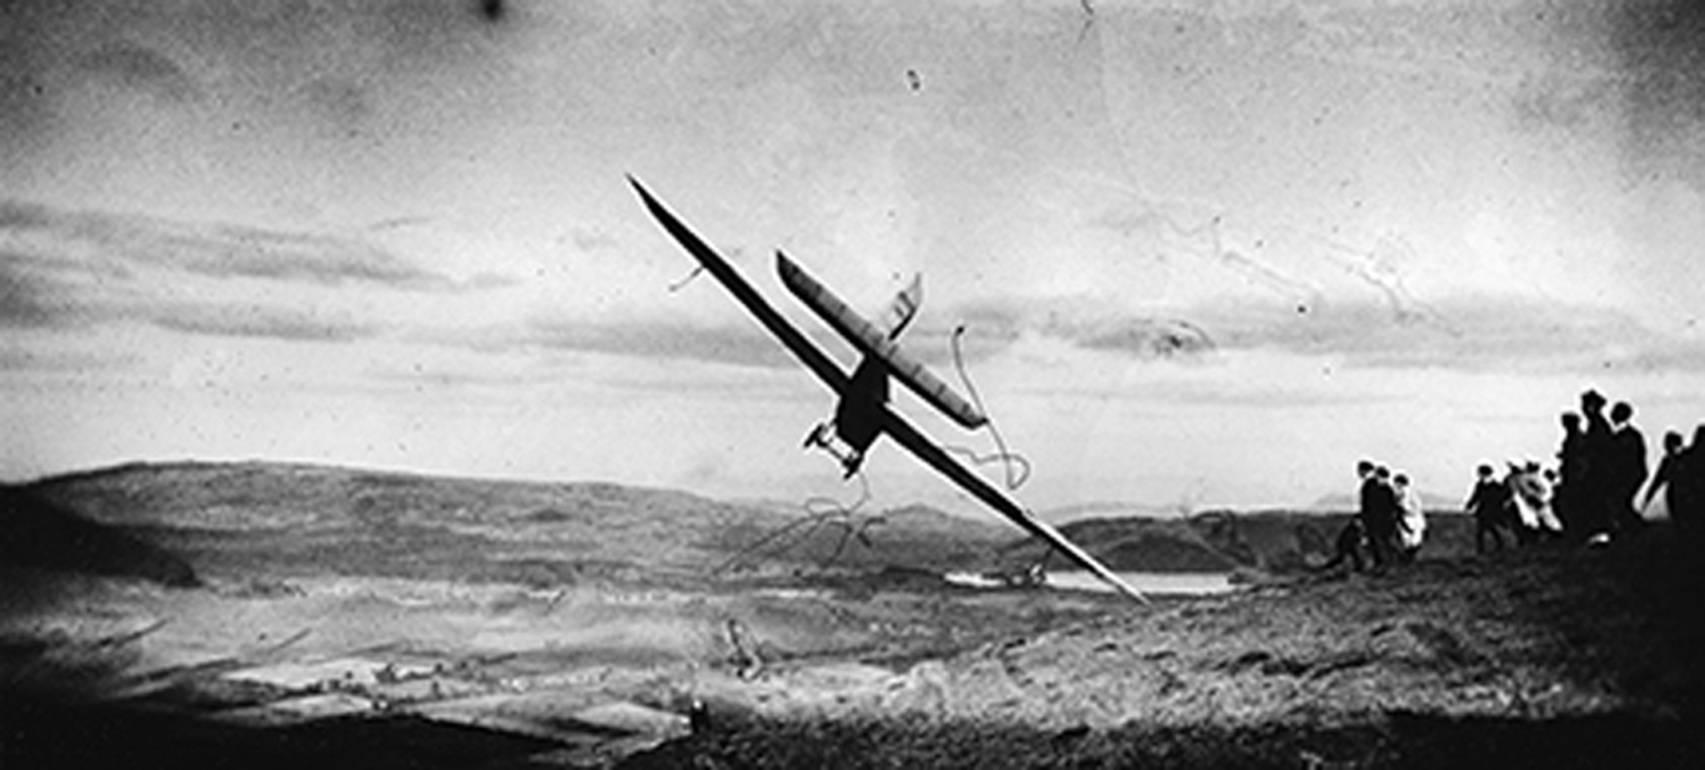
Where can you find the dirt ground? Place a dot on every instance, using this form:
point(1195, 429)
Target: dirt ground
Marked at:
point(1557, 658)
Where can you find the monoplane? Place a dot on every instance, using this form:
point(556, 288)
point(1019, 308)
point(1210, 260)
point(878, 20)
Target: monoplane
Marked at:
point(862, 413)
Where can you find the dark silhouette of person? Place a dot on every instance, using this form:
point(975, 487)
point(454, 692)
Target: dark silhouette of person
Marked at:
point(1379, 516)
point(1661, 478)
point(1626, 471)
point(1572, 476)
point(1367, 497)
point(1595, 494)
point(1687, 490)
point(1348, 547)
point(1489, 504)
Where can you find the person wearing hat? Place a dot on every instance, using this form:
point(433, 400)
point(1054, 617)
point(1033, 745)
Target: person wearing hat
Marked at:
point(1572, 475)
point(1627, 470)
point(1595, 493)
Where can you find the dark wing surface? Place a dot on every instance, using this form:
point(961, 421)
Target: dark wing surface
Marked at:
point(809, 354)
point(934, 456)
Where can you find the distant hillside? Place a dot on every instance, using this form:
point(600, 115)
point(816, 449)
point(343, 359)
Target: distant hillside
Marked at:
point(38, 533)
point(1135, 544)
point(1111, 510)
point(237, 519)
point(1343, 502)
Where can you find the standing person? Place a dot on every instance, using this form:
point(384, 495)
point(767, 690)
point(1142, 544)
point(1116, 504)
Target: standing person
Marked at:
point(1687, 490)
point(1572, 475)
point(1594, 495)
point(1370, 498)
point(1489, 504)
point(1382, 523)
point(1627, 469)
point(1665, 473)
point(1524, 525)
point(1411, 520)
point(1530, 495)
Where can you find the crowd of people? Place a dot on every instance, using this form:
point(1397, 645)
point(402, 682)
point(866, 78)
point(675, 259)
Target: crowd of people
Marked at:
point(1592, 496)
point(1389, 525)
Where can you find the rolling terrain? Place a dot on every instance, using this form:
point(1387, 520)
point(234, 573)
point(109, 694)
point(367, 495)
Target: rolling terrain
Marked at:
point(277, 614)
point(258, 520)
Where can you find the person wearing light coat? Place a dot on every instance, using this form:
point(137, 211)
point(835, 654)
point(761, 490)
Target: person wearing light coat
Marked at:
point(1411, 520)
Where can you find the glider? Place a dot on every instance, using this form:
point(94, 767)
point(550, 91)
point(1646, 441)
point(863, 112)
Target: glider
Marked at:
point(862, 413)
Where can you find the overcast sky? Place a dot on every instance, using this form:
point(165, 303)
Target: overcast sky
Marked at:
point(1204, 257)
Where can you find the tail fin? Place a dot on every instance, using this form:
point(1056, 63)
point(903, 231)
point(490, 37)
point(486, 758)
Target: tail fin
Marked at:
point(905, 305)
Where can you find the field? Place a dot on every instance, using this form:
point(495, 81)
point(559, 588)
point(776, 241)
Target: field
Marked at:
point(350, 618)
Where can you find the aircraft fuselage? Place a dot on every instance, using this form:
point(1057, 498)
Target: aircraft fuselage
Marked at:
point(858, 416)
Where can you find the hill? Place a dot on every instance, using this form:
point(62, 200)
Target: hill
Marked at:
point(259, 518)
point(39, 533)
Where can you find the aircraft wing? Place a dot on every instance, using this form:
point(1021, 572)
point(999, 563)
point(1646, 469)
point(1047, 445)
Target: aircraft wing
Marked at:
point(934, 456)
point(809, 354)
point(892, 424)
point(871, 341)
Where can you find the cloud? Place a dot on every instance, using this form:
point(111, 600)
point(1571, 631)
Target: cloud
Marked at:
point(1250, 391)
point(215, 250)
point(592, 239)
point(739, 346)
point(70, 270)
point(26, 300)
point(1506, 333)
point(258, 320)
point(992, 325)
point(43, 294)
point(342, 104)
point(37, 294)
point(27, 359)
point(140, 68)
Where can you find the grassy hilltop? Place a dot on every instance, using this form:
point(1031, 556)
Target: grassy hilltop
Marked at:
point(1542, 658)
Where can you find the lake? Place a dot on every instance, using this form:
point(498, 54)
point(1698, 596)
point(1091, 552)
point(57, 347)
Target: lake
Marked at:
point(1191, 583)
point(1173, 583)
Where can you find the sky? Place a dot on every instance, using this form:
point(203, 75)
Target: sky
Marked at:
point(1205, 254)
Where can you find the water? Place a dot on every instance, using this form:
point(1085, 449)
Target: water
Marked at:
point(1171, 583)
point(1189, 583)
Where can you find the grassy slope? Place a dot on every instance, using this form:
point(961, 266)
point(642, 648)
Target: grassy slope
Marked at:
point(41, 534)
point(1540, 658)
